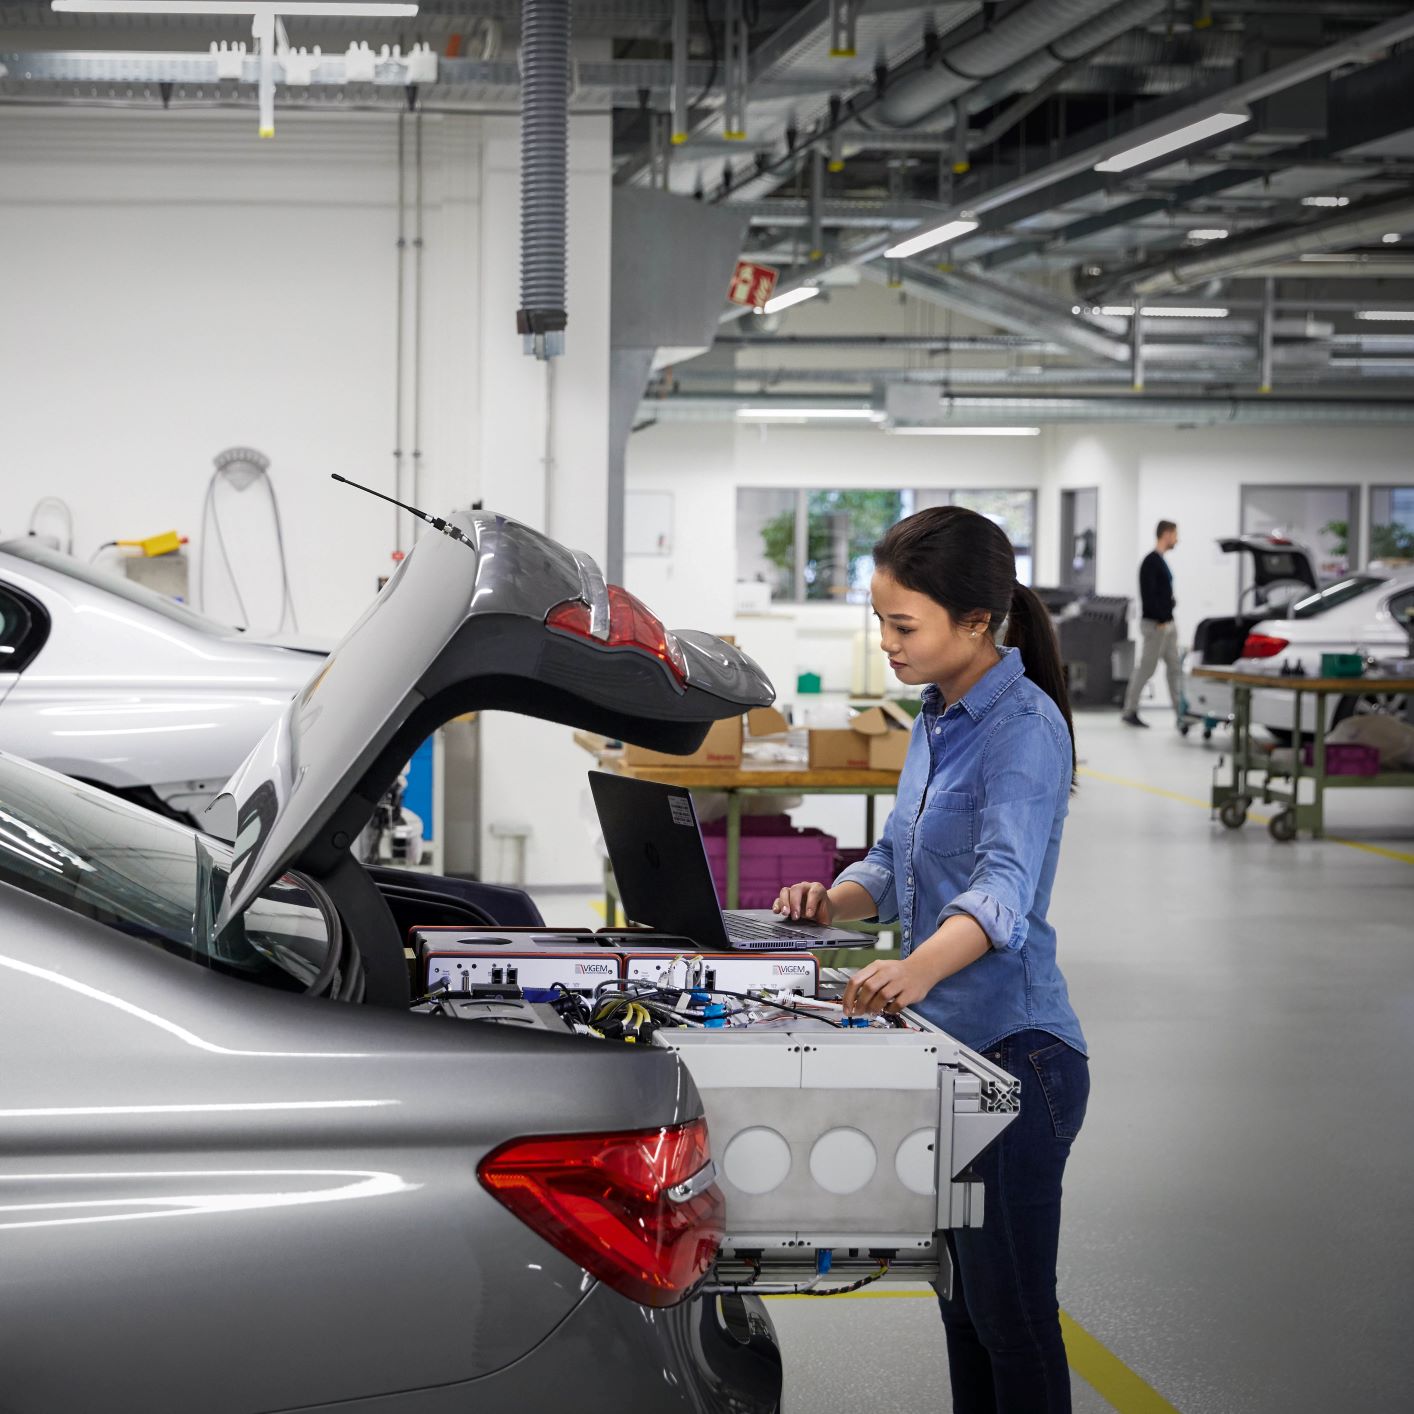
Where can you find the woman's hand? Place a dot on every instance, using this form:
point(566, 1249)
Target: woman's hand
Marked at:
point(808, 901)
point(886, 986)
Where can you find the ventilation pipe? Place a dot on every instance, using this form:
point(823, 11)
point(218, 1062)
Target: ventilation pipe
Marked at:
point(544, 166)
point(990, 54)
point(1240, 255)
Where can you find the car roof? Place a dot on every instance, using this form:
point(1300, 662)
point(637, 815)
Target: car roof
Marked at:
point(40, 566)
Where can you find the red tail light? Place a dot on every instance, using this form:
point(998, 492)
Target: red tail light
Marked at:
point(632, 624)
point(1261, 645)
point(637, 1210)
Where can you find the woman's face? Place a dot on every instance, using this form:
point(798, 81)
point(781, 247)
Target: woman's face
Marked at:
point(924, 643)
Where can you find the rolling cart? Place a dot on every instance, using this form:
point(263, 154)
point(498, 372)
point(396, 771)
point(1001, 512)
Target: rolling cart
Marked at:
point(1234, 797)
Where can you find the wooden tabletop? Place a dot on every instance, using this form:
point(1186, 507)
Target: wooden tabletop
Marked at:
point(748, 776)
point(1300, 684)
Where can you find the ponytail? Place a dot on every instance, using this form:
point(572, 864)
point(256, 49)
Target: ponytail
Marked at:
point(1030, 631)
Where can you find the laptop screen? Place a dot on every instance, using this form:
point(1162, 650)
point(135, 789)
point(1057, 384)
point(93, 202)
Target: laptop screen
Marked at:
point(660, 864)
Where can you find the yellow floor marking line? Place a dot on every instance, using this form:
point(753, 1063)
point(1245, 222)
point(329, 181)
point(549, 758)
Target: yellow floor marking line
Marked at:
point(1108, 1375)
point(1374, 849)
point(1252, 819)
point(1102, 1370)
point(1140, 785)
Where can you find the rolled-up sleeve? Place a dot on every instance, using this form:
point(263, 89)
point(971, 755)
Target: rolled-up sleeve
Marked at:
point(1025, 776)
point(875, 874)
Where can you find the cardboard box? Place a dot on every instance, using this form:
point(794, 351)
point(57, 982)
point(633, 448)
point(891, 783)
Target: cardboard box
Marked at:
point(722, 748)
point(875, 740)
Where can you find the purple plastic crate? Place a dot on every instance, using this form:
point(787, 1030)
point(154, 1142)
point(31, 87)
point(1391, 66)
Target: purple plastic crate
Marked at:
point(769, 859)
point(845, 857)
point(1346, 758)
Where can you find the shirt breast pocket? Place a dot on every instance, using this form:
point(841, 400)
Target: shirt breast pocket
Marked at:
point(948, 823)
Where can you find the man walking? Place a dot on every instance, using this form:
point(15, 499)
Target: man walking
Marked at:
point(1158, 632)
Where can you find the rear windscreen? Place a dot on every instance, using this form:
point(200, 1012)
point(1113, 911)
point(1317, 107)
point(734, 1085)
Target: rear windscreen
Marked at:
point(1341, 592)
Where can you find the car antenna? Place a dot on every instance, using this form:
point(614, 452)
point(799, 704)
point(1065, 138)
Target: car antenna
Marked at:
point(436, 522)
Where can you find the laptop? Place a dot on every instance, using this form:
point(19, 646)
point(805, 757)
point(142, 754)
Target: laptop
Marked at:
point(660, 863)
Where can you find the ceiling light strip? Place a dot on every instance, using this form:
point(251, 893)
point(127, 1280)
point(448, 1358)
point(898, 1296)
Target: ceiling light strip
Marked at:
point(1185, 136)
point(328, 9)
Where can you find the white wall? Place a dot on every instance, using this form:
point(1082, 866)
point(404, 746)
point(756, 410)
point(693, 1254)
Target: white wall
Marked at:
point(544, 438)
point(170, 285)
point(1143, 474)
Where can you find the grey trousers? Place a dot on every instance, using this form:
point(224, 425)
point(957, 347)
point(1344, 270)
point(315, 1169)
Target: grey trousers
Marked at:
point(1156, 643)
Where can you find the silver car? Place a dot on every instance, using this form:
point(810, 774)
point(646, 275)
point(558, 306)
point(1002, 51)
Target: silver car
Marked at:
point(109, 682)
point(243, 1169)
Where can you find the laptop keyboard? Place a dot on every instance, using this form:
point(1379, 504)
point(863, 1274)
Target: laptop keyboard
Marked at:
point(739, 927)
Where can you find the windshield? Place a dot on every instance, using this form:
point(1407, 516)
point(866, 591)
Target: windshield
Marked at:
point(117, 584)
point(151, 878)
point(1341, 592)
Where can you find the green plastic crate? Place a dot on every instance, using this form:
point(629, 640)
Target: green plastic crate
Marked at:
point(1342, 665)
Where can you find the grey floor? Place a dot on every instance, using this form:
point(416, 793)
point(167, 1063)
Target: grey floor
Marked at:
point(1239, 1224)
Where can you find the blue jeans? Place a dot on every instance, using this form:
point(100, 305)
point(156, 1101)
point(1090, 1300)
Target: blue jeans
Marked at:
point(1005, 1352)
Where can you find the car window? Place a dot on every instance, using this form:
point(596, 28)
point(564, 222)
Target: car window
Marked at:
point(147, 876)
point(1341, 592)
point(117, 584)
point(23, 628)
point(1273, 565)
point(1401, 609)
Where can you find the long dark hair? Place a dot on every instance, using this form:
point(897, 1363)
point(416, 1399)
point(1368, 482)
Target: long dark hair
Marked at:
point(965, 562)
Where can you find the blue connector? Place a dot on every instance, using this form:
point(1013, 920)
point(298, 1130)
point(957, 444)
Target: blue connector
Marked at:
point(824, 1260)
point(714, 1015)
point(856, 1021)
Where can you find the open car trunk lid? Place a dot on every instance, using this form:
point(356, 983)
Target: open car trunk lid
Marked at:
point(460, 627)
point(1274, 562)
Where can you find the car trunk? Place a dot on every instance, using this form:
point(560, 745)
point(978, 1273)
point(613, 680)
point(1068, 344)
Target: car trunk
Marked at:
point(492, 615)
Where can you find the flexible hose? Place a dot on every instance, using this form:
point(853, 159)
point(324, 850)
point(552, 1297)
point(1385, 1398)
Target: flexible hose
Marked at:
point(544, 165)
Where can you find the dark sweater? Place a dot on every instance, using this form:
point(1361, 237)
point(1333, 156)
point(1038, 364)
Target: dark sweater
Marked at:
point(1156, 588)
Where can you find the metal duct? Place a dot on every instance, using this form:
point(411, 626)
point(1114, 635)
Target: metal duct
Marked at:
point(1095, 34)
point(544, 175)
point(983, 57)
point(920, 405)
point(924, 406)
point(986, 301)
point(1239, 255)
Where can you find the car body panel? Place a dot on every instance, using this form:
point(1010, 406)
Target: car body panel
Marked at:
point(128, 691)
point(1365, 624)
point(184, 1128)
point(459, 627)
point(220, 1196)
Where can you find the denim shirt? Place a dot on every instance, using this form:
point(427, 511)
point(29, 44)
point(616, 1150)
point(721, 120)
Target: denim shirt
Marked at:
point(976, 829)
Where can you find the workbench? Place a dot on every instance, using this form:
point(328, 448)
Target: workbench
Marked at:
point(748, 779)
point(1232, 799)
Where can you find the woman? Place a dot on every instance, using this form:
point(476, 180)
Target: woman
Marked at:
point(966, 864)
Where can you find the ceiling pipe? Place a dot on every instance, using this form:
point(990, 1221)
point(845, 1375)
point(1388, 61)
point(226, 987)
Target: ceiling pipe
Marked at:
point(980, 410)
point(990, 304)
point(1351, 228)
point(983, 57)
point(1359, 48)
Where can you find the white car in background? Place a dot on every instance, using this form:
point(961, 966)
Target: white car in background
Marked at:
point(111, 683)
point(1370, 613)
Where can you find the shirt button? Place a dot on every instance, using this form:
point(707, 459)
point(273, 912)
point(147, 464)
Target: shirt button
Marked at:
point(938, 730)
